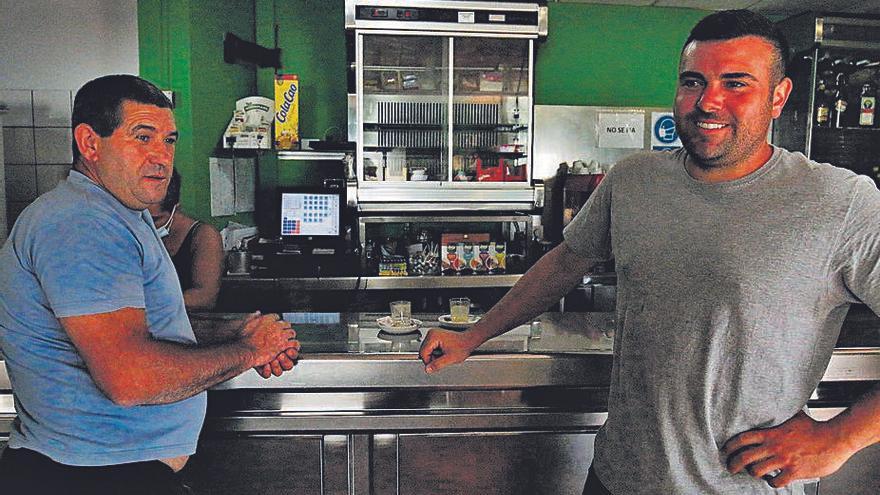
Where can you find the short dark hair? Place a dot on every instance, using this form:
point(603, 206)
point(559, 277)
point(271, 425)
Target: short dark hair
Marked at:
point(729, 24)
point(172, 195)
point(98, 102)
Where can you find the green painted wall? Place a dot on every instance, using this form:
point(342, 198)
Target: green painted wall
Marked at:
point(311, 35)
point(611, 55)
point(164, 47)
point(216, 85)
point(181, 49)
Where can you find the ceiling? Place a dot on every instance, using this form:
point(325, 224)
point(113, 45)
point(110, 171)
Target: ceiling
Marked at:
point(774, 8)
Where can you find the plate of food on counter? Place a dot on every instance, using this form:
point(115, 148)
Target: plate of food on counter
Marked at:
point(388, 325)
point(446, 322)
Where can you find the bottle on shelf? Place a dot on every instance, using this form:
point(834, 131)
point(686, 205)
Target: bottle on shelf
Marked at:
point(823, 63)
point(370, 255)
point(406, 238)
point(823, 104)
point(839, 113)
point(867, 105)
point(843, 66)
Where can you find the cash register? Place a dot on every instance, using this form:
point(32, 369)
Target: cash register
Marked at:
point(311, 232)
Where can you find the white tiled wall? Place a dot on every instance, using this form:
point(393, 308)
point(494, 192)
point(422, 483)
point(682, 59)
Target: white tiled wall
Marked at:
point(20, 103)
point(21, 182)
point(18, 145)
point(52, 108)
point(36, 144)
point(52, 145)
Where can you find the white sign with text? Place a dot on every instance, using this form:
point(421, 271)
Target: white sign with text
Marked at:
point(621, 130)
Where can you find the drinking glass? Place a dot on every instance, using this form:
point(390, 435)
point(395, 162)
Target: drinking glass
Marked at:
point(353, 332)
point(401, 313)
point(459, 309)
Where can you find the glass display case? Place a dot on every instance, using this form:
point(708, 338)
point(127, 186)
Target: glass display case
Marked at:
point(830, 115)
point(442, 112)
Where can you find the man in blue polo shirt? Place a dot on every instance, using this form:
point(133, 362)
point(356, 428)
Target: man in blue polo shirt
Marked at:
point(108, 376)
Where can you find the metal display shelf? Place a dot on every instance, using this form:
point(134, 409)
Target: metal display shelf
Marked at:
point(381, 283)
point(313, 155)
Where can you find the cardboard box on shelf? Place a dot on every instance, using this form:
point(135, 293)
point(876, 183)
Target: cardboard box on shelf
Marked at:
point(472, 253)
point(392, 266)
point(286, 112)
point(250, 124)
point(491, 81)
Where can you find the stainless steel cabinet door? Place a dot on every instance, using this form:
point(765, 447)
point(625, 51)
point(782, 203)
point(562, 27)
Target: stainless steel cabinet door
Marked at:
point(532, 463)
point(245, 464)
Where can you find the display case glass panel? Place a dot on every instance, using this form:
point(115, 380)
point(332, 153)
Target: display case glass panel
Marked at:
point(405, 100)
point(491, 110)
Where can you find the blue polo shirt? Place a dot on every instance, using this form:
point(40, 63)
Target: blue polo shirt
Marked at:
point(78, 251)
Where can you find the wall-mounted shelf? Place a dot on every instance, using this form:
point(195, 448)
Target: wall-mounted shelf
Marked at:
point(313, 155)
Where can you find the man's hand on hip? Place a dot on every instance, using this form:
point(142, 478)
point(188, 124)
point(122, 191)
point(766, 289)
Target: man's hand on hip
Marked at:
point(800, 448)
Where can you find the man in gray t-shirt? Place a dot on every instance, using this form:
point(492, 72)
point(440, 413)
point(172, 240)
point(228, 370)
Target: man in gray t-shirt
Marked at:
point(736, 263)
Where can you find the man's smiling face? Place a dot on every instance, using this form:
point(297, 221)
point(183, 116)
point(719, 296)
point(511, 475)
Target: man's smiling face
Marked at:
point(726, 98)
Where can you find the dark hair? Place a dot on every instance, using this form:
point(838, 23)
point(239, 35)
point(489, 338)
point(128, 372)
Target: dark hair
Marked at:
point(172, 195)
point(98, 102)
point(729, 24)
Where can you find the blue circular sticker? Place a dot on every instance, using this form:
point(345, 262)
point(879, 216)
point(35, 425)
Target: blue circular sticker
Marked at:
point(664, 130)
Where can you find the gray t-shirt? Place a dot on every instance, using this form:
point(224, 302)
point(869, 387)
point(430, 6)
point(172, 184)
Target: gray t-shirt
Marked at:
point(730, 300)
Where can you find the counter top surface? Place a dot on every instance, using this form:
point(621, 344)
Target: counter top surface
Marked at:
point(550, 333)
point(360, 334)
point(349, 351)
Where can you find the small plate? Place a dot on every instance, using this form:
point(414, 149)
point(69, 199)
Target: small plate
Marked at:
point(446, 322)
point(386, 326)
point(399, 339)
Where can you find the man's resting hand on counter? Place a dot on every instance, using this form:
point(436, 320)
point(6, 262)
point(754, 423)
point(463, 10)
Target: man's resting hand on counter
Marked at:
point(250, 331)
point(133, 368)
point(553, 276)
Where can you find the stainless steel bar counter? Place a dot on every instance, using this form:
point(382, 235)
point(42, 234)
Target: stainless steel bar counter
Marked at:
point(375, 282)
point(349, 351)
point(358, 414)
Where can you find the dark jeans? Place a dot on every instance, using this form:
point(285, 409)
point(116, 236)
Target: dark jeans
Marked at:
point(28, 472)
point(593, 485)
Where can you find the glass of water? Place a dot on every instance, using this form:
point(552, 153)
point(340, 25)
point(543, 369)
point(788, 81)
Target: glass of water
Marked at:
point(459, 309)
point(401, 313)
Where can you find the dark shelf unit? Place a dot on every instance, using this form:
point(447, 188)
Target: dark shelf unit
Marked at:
point(814, 38)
